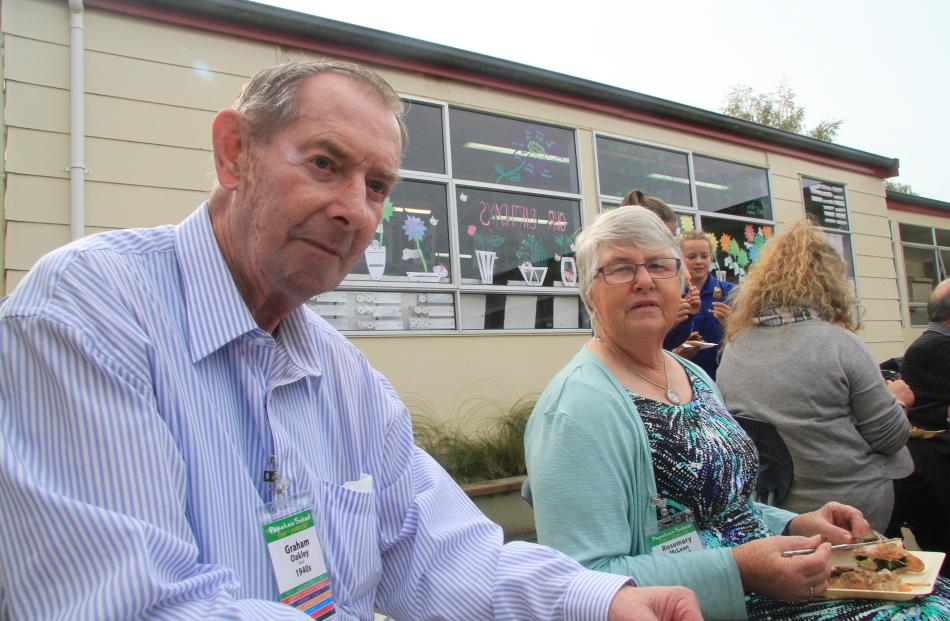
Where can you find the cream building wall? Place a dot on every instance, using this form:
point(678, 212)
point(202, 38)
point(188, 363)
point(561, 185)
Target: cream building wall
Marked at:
point(152, 90)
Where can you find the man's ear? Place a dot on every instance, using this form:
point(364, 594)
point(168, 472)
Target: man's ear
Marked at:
point(230, 147)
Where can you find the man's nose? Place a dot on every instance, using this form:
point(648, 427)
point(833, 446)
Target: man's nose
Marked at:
point(350, 206)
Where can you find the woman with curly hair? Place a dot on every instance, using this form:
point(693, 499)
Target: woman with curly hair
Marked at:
point(792, 359)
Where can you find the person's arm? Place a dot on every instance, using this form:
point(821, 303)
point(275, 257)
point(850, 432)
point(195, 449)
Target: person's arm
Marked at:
point(442, 558)
point(582, 487)
point(878, 417)
point(93, 514)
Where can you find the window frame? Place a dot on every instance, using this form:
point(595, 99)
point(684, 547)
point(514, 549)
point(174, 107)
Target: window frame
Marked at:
point(455, 286)
point(693, 211)
point(942, 269)
point(846, 232)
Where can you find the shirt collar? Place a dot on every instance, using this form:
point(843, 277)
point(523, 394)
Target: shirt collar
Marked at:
point(939, 328)
point(216, 311)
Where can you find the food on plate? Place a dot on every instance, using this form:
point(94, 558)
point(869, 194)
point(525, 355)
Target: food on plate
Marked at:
point(860, 579)
point(890, 556)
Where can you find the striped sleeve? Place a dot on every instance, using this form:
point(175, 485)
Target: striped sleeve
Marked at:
point(92, 519)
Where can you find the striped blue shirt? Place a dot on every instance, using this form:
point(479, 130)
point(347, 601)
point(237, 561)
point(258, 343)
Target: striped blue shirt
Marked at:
point(139, 405)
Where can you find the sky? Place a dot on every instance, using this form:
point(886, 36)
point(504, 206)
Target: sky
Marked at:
point(881, 67)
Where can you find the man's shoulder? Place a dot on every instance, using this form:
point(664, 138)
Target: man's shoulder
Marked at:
point(96, 266)
point(929, 340)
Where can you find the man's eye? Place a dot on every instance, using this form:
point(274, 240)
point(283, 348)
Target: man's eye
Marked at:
point(622, 269)
point(377, 187)
point(321, 162)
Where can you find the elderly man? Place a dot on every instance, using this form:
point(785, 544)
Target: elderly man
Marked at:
point(926, 364)
point(181, 438)
point(922, 500)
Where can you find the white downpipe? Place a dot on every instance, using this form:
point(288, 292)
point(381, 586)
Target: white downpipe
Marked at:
point(77, 108)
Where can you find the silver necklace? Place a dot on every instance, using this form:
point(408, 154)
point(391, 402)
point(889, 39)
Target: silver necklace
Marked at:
point(671, 394)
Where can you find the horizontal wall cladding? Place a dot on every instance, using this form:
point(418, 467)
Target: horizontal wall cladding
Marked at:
point(48, 21)
point(889, 349)
point(47, 64)
point(32, 152)
point(880, 310)
point(39, 107)
point(108, 205)
point(28, 241)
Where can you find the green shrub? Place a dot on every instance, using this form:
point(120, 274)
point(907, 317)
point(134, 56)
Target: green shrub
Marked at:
point(495, 452)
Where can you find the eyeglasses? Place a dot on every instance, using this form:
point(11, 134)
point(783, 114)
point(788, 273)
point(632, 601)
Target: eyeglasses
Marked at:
point(620, 273)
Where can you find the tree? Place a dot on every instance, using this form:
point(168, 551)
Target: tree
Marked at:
point(776, 109)
point(904, 188)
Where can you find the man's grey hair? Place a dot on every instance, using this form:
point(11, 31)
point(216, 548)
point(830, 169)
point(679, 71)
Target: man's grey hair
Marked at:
point(269, 100)
point(632, 225)
point(938, 306)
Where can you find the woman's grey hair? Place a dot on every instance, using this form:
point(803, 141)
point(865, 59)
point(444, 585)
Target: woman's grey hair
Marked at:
point(631, 225)
point(269, 100)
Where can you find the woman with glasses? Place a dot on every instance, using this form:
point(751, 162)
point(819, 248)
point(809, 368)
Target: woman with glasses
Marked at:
point(636, 467)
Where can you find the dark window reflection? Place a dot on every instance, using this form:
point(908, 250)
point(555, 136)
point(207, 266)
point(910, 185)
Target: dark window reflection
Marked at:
point(512, 152)
point(412, 240)
point(730, 188)
point(624, 166)
point(426, 148)
point(825, 203)
point(517, 239)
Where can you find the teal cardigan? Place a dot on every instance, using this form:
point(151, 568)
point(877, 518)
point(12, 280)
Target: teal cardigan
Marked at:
point(592, 480)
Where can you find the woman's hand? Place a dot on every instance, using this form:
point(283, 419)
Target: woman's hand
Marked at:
point(763, 568)
point(721, 311)
point(835, 522)
point(901, 392)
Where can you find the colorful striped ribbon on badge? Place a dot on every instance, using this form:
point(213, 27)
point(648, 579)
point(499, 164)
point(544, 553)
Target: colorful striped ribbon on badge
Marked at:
point(313, 598)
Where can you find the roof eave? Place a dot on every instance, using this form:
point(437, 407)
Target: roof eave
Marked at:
point(252, 14)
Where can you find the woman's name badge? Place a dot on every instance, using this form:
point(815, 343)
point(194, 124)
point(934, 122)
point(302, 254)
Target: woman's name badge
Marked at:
point(675, 533)
point(302, 578)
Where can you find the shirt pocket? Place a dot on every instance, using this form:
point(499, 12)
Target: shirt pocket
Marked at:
point(350, 527)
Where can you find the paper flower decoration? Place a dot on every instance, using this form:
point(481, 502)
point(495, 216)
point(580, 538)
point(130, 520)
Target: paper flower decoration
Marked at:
point(415, 230)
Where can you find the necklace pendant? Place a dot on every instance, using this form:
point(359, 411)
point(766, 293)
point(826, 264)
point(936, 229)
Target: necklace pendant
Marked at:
point(673, 396)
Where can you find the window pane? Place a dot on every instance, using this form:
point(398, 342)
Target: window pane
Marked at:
point(915, 234)
point(386, 310)
point(516, 239)
point(426, 148)
point(736, 189)
point(919, 316)
point(943, 237)
point(920, 267)
point(825, 202)
point(512, 152)
point(502, 311)
point(737, 245)
point(842, 243)
point(685, 222)
point(945, 260)
point(624, 166)
point(412, 241)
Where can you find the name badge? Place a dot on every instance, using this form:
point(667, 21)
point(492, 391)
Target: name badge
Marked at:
point(302, 578)
point(675, 533)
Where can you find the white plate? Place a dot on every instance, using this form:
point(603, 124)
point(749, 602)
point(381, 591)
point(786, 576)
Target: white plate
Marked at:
point(698, 344)
point(932, 562)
